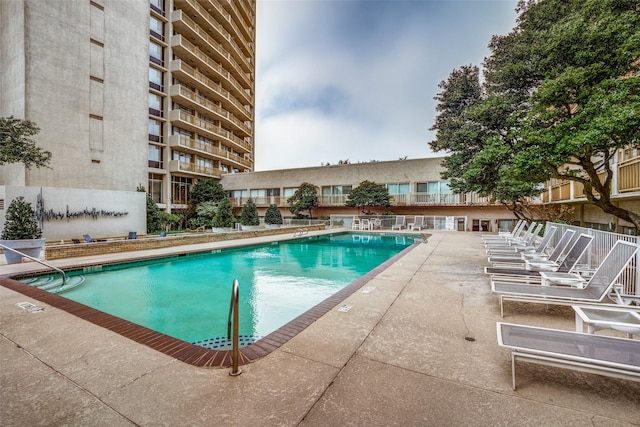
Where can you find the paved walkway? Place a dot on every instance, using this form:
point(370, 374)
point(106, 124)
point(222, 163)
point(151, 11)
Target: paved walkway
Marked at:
point(418, 350)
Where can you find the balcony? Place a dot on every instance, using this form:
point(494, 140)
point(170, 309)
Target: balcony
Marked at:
point(210, 88)
point(411, 199)
point(220, 21)
point(187, 97)
point(194, 169)
point(191, 145)
point(187, 27)
point(191, 54)
point(629, 175)
point(195, 124)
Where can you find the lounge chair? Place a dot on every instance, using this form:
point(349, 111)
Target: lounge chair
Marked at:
point(513, 233)
point(534, 275)
point(508, 244)
point(516, 249)
point(593, 291)
point(400, 223)
point(417, 224)
point(539, 250)
point(603, 355)
point(518, 261)
point(88, 239)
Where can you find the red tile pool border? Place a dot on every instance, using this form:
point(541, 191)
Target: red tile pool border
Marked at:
point(190, 353)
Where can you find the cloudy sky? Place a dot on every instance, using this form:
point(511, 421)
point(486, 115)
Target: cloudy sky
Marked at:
point(355, 79)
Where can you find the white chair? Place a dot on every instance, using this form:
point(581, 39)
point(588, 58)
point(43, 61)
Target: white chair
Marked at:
point(400, 223)
point(595, 354)
point(355, 225)
point(594, 291)
point(417, 224)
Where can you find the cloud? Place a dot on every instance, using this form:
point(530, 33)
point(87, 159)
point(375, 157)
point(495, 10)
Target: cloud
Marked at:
point(355, 80)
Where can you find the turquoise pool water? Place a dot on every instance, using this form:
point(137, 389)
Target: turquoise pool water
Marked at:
point(187, 297)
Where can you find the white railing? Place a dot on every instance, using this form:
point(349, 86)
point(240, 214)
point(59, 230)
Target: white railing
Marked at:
point(386, 222)
point(602, 243)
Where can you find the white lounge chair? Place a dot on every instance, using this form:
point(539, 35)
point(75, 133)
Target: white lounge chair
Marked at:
point(594, 291)
point(518, 261)
point(417, 224)
point(516, 249)
point(503, 235)
point(501, 274)
point(526, 240)
point(597, 354)
point(400, 223)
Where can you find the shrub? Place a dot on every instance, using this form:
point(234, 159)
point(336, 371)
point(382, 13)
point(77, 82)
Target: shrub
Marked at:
point(20, 221)
point(249, 214)
point(224, 217)
point(273, 215)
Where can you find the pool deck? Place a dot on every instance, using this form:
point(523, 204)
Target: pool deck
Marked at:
point(419, 349)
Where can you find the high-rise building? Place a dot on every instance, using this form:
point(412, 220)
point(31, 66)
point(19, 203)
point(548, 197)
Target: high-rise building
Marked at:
point(201, 94)
point(127, 94)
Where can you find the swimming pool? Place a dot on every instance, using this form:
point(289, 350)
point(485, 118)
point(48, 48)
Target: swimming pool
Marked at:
point(187, 297)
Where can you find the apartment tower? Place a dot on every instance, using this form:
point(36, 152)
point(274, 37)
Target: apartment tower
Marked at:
point(127, 94)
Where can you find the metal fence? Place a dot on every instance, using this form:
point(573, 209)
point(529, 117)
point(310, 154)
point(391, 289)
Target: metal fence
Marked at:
point(386, 222)
point(602, 243)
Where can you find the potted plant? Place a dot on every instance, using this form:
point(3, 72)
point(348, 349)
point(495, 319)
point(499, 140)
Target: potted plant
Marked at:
point(273, 217)
point(21, 231)
point(223, 218)
point(249, 216)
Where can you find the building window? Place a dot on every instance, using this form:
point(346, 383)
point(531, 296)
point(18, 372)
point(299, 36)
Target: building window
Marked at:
point(179, 131)
point(180, 189)
point(183, 157)
point(155, 187)
point(155, 157)
point(398, 188)
point(156, 27)
point(158, 6)
point(156, 79)
point(155, 53)
point(288, 192)
point(205, 163)
point(155, 130)
point(155, 105)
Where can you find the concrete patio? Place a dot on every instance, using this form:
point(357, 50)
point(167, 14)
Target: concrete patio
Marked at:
point(418, 350)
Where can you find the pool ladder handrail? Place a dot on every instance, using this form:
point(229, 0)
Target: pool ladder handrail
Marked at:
point(233, 311)
point(64, 276)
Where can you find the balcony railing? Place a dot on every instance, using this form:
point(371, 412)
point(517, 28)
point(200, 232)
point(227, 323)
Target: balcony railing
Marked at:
point(179, 18)
point(201, 147)
point(180, 166)
point(411, 199)
point(629, 175)
point(215, 131)
point(200, 101)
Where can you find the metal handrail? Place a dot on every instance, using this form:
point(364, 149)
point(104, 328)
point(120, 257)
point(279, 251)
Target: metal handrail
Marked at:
point(64, 276)
point(233, 310)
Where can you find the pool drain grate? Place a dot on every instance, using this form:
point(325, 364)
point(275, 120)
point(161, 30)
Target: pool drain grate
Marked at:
point(222, 343)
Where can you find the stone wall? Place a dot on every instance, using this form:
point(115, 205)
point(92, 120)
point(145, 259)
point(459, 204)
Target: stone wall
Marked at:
point(109, 246)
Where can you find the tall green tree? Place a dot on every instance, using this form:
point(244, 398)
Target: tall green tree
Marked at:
point(368, 194)
point(305, 198)
point(204, 195)
point(17, 145)
point(249, 213)
point(561, 95)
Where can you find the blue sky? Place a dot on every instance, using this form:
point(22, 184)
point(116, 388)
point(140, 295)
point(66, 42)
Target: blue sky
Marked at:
point(355, 79)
